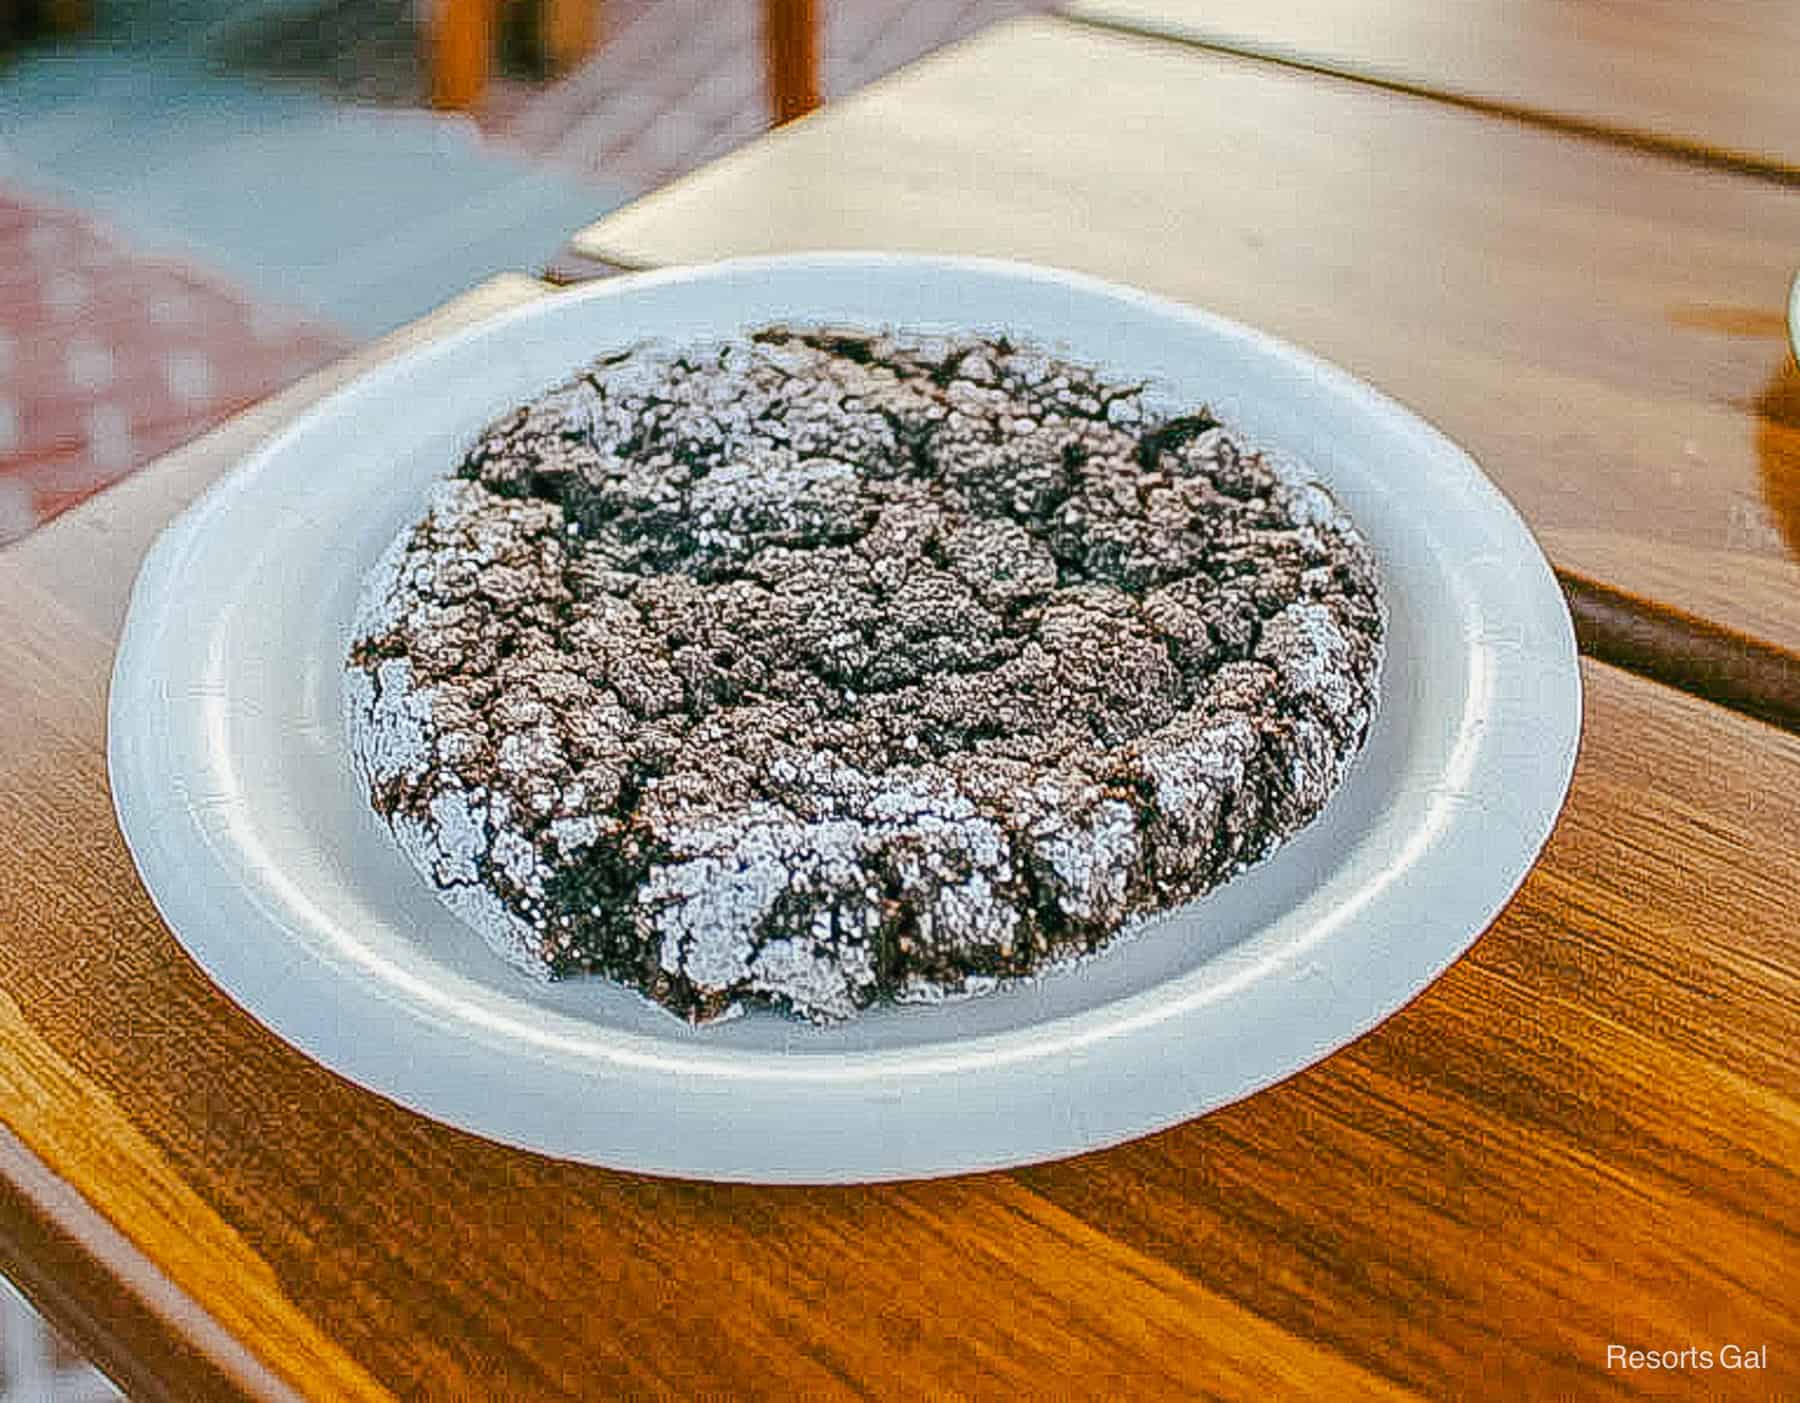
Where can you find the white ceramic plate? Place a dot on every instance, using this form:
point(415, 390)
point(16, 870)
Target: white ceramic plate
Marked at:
point(234, 788)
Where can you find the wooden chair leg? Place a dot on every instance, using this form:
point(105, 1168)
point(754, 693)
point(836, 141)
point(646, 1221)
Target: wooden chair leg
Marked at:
point(461, 50)
point(570, 29)
point(791, 38)
point(67, 16)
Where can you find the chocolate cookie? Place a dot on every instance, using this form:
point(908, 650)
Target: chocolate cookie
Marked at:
point(821, 666)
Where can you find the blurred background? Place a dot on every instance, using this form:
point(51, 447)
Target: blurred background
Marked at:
point(203, 200)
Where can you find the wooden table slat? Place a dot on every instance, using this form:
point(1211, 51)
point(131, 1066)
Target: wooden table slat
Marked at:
point(1714, 80)
point(65, 590)
point(111, 1302)
point(1619, 1052)
point(1601, 328)
point(1530, 1157)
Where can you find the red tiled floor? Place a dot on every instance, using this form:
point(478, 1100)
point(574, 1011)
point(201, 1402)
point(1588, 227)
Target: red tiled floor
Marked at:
point(109, 358)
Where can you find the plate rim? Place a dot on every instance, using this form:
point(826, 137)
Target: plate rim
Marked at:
point(841, 1077)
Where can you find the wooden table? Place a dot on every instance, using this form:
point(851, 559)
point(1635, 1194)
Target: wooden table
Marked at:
point(1601, 327)
point(1715, 81)
point(1586, 1134)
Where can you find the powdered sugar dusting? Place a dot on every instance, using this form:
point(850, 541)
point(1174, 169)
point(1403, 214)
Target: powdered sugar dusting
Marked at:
point(819, 666)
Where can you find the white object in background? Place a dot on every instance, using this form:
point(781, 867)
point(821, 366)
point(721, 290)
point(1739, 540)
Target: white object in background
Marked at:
point(30, 1371)
point(1794, 318)
point(235, 791)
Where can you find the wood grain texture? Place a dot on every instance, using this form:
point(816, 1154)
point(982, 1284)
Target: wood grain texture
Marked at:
point(1585, 1133)
point(1751, 590)
point(1716, 80)
point(1603, 1084)
point(100, 1146)
point(1600, 328)
point(157, 1339)
point(107, 1298)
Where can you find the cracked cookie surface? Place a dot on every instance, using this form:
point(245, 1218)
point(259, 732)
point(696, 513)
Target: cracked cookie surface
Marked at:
point(817, 666)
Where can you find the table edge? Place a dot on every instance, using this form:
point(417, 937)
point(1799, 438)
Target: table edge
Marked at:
point(1683, 651)
point(154, 1340)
